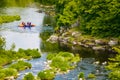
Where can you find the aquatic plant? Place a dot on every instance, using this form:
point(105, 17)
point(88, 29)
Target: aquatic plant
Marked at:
point(91, 76)
point(81, 75)
point(46, 75)
point(20, 65)
point(29, 76)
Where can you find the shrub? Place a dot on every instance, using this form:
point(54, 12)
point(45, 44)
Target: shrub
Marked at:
point(50, 56)
point(60, 63)
point(29, 76)
point(114, 75)
point(34, 53)
point(7, 73)
point(114, 65)
point(20, 65)
point(46, 75)
point(66, 55)
point(81, 75)
point(63, 60)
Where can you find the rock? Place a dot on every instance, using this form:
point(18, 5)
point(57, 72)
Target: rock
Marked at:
point(98, 48)
point(90, 44)
point(53, 39)
point(112, 43)
point(81, 79)
point(99, 42)
point(97, 62)
point(10, 78)
point(74, 42)
point(76, 34)
point(65, 40)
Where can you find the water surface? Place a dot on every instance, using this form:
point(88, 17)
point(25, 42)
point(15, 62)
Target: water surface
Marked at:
point(23, 38)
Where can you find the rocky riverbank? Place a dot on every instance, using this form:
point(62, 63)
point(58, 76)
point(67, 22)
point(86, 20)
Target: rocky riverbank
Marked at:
point(76, 38)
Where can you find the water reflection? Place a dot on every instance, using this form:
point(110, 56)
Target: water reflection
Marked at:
point(49, 21)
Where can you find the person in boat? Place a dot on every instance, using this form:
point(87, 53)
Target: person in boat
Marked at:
point(29, 25)
point(23, 24)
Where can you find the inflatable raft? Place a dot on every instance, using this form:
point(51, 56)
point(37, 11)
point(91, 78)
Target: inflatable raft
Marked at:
point(21, 25)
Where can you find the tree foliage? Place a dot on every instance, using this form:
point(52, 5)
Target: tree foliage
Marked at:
point(97, 17)
point(114, 65)
point(100, 17)
point(67, 12)
point(46, 2)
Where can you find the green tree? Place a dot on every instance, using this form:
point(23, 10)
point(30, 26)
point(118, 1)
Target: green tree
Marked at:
point(68, 12)
point(100, 17)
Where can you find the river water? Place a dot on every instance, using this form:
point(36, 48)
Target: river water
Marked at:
point(26, 38)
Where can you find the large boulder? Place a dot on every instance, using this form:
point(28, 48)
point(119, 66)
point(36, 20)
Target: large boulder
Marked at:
point(53, 39)
point(98, 48)
point(76, 34)
point(100, 42)
point(112, 43)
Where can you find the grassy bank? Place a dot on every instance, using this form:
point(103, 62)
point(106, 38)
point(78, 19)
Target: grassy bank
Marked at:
point(8, 18)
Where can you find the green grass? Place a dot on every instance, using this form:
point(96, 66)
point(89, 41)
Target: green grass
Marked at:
point(8, 18)
point(20, 65)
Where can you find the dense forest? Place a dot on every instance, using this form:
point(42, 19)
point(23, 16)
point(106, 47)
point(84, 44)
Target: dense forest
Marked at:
point(97, 18)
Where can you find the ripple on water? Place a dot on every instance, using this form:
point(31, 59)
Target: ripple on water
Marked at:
point(37, 65)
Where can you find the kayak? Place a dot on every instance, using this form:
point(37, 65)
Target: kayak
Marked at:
point(20, 25)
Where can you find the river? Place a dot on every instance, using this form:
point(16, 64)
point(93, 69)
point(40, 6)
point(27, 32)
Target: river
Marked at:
point(26, 38)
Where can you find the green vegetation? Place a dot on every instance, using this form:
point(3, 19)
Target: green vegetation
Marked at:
point(81, 75)
point(46, 75)
point(49, 21)
point(46, 2)
point(91, 76)
point(97, 18)
point(15, 3)
point(2, 43)
point(8, 18)
point(29, 76)
point(8, 56)
point(59, 62)
point(20, 65)
point(8, 72)
point(29, 53)
point(114, 65)
point(63, 60)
